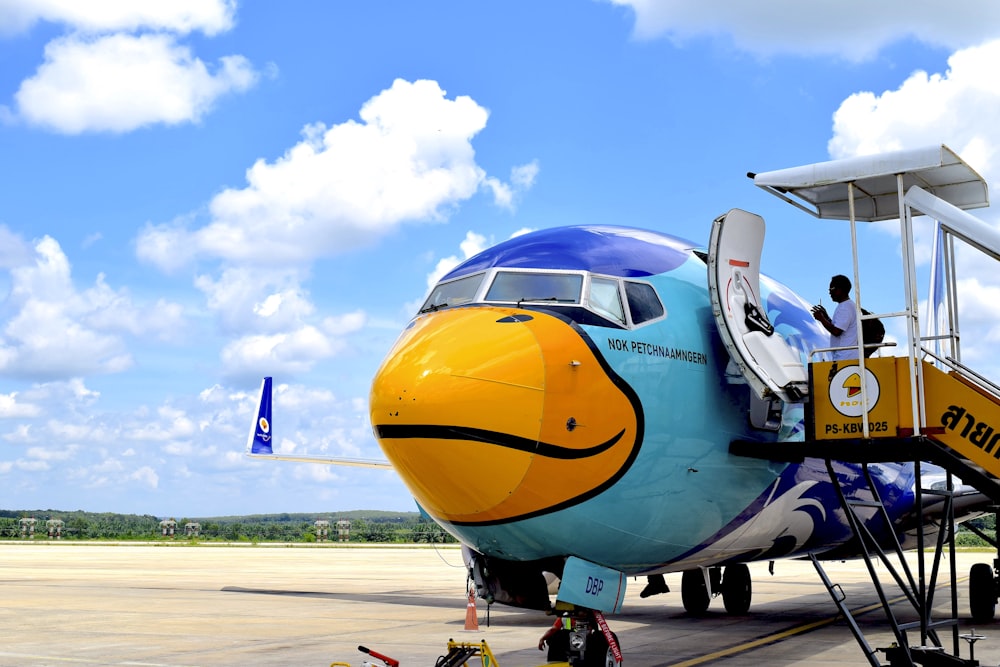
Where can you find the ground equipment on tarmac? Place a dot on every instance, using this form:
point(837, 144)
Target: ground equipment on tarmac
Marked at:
point(384, 660)
point(459, 653)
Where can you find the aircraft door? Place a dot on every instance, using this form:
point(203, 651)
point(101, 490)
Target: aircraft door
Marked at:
point(769, 365)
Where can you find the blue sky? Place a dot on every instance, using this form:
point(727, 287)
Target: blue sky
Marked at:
point(194, 194)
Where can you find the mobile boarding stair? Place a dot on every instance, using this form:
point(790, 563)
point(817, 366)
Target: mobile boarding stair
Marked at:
point(922, 405)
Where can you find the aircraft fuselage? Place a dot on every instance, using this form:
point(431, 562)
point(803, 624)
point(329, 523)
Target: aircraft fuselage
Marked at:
point(567, 393)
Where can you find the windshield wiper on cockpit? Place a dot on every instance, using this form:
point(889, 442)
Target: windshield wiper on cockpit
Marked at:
point(546, 298)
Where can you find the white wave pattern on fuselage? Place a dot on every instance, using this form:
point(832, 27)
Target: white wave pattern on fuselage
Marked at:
point(782, 517)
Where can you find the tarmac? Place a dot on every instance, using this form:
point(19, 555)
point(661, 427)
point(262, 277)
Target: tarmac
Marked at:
point(65, 603)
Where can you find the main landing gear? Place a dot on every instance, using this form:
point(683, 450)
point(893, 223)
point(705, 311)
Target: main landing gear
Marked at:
point(698, 587)
point(984, 581)
point(984, 584)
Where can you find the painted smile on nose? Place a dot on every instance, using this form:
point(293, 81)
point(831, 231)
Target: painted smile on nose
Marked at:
point(495, 414)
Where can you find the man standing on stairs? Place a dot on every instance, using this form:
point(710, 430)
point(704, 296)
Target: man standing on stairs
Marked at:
point(843, 326)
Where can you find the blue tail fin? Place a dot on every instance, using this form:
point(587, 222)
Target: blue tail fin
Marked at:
point(259, 441)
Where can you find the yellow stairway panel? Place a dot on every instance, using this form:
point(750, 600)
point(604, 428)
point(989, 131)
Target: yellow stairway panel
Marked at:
point(963, 418)
point(837, 399)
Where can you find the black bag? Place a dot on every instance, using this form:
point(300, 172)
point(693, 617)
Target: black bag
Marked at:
point(872, 332)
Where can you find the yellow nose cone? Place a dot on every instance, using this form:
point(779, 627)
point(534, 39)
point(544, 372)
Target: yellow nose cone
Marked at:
point(492, 414)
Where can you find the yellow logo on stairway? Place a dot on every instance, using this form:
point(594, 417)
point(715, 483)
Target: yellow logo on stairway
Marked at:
point(852, 385)
point(845, 391)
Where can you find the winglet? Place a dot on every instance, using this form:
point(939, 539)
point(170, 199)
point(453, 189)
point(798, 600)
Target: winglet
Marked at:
point(259, 441)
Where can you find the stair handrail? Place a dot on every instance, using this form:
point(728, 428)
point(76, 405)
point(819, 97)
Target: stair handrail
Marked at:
point(982, 381)
point(954, 364)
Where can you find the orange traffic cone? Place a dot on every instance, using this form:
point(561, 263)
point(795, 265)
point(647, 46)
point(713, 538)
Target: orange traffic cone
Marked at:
point(471, 617)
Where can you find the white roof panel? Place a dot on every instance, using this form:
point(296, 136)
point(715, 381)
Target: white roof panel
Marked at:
point(821, 188)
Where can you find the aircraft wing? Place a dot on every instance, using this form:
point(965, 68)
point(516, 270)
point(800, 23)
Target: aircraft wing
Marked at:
point(967, 504)
point(357, 463)
point(259, 440)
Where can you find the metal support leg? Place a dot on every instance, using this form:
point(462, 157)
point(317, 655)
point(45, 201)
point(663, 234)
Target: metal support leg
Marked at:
point(866, 541)
point(918, 591)
point(839, 599)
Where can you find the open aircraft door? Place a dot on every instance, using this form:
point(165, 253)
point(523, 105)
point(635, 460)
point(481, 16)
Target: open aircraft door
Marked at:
point(769, 365)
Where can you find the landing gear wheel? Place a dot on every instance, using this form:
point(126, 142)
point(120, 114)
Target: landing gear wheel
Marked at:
point(599, 653)
point(736, 589)
point(982, 593)
point(694, 592)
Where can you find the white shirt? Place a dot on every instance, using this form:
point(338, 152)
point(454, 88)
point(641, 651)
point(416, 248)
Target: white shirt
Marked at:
point(845, 320)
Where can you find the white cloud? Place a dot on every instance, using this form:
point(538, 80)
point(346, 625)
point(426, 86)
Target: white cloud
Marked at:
point(10, 407)
point(68, 393)
point(151, 446)
point(346, 323)
point(13, 250)
point(960, 108)
point(523, 176)
point(179, 448)
point(121, 82)
point(472, 244)
point(171, 424)
point(20, 434)
point(50, 454)
point(120, 66)
point(146, 476)
point(256, 299)
point(341, 187)
point(316, 474)
point(409, 159)
point(851, 29)
point(294, 351)
point(273, 317)
point(82, 430)
point(56, 331)
point(114, 311)
point(181, 16)
point(502, 193)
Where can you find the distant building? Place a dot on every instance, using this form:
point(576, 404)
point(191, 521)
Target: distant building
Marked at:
point(28, 527)
point(55, 528)
point(344, 530)
point(192, 529)
point(322, 530)
point(168, 527)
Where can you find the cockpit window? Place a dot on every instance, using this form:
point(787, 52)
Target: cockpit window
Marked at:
point(643, 302)
point(605, 300)
point(453, 293)
point(605, 303)
point(529, 286)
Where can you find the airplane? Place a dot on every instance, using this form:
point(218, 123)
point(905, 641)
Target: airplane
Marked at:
point(564, 402)
point(567, 393)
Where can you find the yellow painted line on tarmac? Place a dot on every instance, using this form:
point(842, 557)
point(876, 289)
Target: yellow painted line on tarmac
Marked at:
point(779, 636)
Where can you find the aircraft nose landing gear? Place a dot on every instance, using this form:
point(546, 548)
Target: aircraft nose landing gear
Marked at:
point(581, 637)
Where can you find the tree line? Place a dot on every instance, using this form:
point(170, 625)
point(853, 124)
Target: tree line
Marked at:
point(365, 527)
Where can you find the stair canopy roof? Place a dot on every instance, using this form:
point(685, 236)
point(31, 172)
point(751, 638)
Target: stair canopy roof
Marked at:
point(821, 189)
